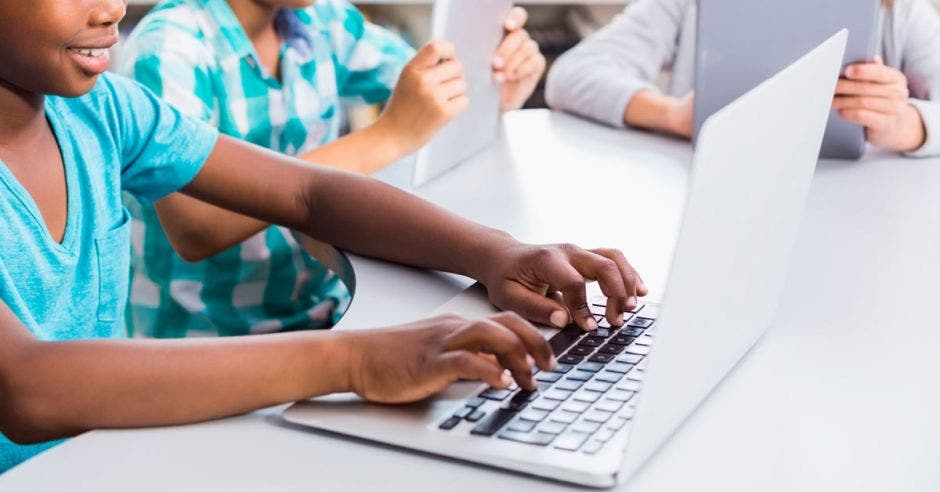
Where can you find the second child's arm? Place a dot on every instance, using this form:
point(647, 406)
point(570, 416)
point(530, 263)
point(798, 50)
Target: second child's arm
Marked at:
point(367, 217)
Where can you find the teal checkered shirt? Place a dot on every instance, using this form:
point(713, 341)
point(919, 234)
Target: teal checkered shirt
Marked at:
point(196, 55)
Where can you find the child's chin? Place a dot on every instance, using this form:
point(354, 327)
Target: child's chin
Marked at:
point(75, 88)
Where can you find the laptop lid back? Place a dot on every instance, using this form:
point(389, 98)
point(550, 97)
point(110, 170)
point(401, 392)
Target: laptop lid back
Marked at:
point(752, 173)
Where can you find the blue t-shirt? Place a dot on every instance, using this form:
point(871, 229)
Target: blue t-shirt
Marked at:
point(117, 138)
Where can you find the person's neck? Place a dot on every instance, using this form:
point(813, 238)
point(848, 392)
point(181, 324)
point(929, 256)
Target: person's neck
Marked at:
point(256, 18)
point(22, 113)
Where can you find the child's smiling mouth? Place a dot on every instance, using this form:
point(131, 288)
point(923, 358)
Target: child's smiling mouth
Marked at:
point(93, 58)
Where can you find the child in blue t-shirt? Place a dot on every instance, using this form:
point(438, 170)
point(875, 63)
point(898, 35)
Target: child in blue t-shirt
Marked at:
point(72, 140)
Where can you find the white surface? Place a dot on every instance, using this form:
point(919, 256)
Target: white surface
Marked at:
point(839, 395)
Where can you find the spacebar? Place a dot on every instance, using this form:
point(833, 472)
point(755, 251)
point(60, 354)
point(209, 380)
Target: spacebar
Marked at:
point(562, 340)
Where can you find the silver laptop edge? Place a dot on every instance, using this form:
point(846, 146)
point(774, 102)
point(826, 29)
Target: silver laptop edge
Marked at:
point(748, 192)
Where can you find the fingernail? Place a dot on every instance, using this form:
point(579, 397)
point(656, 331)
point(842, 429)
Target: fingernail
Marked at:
point(633, 302)
point(506, 379)
point(559, 319)
point(510, 25)
point(590, 323)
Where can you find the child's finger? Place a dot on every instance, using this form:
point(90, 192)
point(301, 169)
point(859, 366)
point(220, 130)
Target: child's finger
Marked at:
point(452, 89)
point(847, 87)
point(528, 49)
point(876, 104)
point(533, 66)
point(510, 45)
point(867, 118)
point(873, 72)
point(433, 53)
point(465, 365)
point(446, 71)
point(534, 306)
point(516, 18)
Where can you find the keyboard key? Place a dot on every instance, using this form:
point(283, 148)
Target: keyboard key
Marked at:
point(619, 367)
point(630, 358)
point(609, 405)
point(495, 394)
point(518, 401)
point(533, 415)
point(570, 359)
point(638, 349)
point(564, 416)
point(569, 384)
point(612, 349)
point(629, 385)
point(601, 358)
point(571, 440)
point(640, 322)
point(586, 427)
point(644, 340)
point(598, 416)
point(581, 350)
point(609, 376)
point(601, 333)
point(548, 377)
point(593, 447)
point(620, 395)
point(631, 332)
point(580, 375)
point(564, 339)
point(547, 404)
point(552, 427)
point(591, 366)
point(489, 425)
point(557, 394)
point(563, 368)
point(620, 340)
point(476, 402)
point(592, 342)
point(536, 438)
point(636, 375)
point(576, 406)
point(521, 426)
point(598, 386)
point(626, 412)
point(450, 423)
point(616, 423)
point(476, 416)
point(598, 308)
point(587, 396)
point(463, 412)
point(604, 435)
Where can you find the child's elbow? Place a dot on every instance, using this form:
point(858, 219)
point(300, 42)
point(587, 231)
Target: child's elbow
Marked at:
point(24, 419)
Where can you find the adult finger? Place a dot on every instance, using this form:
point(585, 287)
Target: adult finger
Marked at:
point(534, 342)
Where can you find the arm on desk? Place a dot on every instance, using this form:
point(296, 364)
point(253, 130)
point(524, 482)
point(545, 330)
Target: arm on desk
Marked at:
point(51, 390)
point(364, 216)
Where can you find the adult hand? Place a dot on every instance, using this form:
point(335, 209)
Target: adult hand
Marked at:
point(431, 91)
point(876, 96)
point(518, 65)
point(547, 284)
point(414, 361)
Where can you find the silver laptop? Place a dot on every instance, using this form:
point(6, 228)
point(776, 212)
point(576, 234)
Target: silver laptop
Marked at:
point(618, 394)
point(741, 43)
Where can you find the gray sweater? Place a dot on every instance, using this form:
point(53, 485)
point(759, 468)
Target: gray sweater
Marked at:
point(598, 78)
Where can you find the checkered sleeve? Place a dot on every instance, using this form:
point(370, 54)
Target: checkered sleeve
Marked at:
point(369, 58)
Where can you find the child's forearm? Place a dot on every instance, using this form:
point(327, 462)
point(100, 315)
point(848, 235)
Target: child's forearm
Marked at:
point(363, 152)
point(57, 389)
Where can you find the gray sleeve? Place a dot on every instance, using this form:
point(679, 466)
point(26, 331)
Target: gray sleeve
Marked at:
point(598, 78)
point(920, 62)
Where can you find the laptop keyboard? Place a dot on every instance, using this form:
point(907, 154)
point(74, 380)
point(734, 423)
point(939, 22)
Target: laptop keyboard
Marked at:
point(584, 402)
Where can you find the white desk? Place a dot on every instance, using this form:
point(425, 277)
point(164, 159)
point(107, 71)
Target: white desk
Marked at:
point(840, 395)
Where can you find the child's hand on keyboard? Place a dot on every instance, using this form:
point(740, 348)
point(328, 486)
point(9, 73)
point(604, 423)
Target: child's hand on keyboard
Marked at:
point(414, 361)
point(547, 284)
